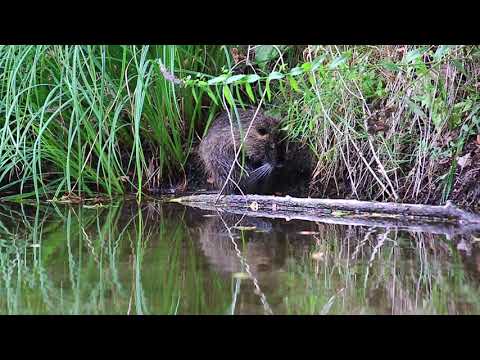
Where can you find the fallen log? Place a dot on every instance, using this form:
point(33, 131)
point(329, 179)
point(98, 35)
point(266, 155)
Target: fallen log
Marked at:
point(289, 206)
point(448, 228)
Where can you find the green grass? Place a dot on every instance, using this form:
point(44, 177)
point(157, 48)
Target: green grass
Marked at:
point(87, 119)
point(426, 95)
point(110, 119)
point(384, 122)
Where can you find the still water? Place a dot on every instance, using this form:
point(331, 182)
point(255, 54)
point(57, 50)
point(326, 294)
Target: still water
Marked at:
point(170, 259)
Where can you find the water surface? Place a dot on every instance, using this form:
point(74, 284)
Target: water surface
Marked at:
point(170, 259)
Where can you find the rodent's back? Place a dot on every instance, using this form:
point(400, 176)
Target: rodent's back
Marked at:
point(217, 149)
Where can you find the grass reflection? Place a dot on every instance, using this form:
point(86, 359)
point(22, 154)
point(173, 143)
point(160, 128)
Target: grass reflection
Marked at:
point(126, 259)
point(380, 272)
point(116, 260)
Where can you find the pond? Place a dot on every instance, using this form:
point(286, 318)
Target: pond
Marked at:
point(169, 259)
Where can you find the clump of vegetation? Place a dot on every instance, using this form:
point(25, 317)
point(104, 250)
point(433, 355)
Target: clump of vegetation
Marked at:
point(88, 119)
point(383, 122)
point(392, 122)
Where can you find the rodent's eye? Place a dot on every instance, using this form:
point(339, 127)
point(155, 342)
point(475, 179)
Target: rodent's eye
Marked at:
point(262, 131)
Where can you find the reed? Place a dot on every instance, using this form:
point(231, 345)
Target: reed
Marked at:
point(89, 119)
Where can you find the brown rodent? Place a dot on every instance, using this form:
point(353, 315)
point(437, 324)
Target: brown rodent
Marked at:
point(262, 151)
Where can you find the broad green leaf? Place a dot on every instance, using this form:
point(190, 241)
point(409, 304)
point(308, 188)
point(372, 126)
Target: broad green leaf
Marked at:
point(275, 75)
point(235, 78)
point(228, 95)
point(293, 84)
point(217, 79)
point(337, 62)
point(458, 64)
point(249, 92)
point(420, 67)
point(390, 66)
point(412, 55)
point(317, 62)
point(307, 66)
point(212, 96)
point(442, 50)
point(265, 53)
point(296, 71)
point(252, 78)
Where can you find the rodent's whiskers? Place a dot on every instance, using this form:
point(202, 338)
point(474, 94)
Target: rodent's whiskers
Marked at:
point(260, 173)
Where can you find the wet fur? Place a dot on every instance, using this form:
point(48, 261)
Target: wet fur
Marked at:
point(261, 149)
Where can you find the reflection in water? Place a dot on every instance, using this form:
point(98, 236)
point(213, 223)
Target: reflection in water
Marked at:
point(227, 242)
point(175, 260)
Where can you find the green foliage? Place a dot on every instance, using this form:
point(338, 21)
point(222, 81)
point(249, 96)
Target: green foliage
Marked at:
point(428, 94)
point(84, 115)
point(115, 119)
